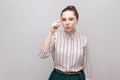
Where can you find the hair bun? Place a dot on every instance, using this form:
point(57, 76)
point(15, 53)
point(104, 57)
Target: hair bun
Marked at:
point(71, 7)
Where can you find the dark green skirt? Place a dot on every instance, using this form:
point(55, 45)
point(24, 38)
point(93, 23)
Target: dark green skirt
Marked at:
point(58, 76)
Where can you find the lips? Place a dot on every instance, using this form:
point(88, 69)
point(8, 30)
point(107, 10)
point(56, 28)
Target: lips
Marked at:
point(67, 27)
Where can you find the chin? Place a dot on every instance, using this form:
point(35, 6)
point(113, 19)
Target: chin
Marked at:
point(68, 31)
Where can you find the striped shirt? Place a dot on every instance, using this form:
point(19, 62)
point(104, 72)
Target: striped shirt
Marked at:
point(69, 53)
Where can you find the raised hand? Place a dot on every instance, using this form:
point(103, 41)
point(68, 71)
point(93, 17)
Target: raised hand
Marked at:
point(55, 25)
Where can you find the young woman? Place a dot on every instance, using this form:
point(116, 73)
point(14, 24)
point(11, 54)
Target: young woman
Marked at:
point(67, 47)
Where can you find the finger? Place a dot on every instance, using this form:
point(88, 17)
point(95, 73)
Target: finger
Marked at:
point(55, 27)
point(57, 21)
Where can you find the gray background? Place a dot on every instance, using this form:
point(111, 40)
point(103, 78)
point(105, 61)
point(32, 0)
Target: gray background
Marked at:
point(24, 25)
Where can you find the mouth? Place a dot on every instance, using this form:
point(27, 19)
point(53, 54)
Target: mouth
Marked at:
point(67, 27)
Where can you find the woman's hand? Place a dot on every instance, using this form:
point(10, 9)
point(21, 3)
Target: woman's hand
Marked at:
point(55, 25)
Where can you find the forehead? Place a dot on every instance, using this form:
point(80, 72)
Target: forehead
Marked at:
point(67, 14)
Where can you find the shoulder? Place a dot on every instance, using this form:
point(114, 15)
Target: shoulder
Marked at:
point(57, 33)
point(85, 40)
point(83, 37)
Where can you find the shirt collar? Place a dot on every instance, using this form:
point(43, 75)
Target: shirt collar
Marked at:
point(69, 36)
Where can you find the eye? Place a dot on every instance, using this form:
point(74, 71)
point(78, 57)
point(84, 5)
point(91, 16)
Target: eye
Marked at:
point(63, 19)
point(71, 19)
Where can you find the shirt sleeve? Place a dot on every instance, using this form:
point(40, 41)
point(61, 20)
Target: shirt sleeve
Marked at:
point(44, 54)
point(86, 66)
point(88, 79)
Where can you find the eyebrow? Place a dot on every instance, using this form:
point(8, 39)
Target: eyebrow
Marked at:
point(65, 18)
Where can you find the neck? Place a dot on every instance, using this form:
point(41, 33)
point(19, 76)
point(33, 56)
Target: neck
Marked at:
point(71, 32)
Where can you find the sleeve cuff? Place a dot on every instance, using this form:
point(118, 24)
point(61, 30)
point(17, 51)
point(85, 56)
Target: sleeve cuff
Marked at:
point(87, 78)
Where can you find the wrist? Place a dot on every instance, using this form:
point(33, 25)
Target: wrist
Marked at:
point(51, 33)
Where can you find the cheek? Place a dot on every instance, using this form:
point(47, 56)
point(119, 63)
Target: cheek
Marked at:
point(74, 23)
point(63, 24)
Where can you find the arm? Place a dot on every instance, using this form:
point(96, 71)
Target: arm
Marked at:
point(48, 44)
point(86, 61)
point(45, 49)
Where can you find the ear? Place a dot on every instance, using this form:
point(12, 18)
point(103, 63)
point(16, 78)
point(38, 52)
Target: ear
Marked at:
point(77, 21)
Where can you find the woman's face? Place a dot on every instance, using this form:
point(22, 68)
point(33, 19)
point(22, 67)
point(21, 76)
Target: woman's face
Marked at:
point(69, 21)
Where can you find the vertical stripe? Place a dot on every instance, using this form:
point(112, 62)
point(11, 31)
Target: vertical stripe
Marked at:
point(72, 53)
point(78, 46)
point(63, 50)
point(81, 50)
point(75, 49)
point(70, 59)
point(68, 53)
point(59, 50)
point(57, 57)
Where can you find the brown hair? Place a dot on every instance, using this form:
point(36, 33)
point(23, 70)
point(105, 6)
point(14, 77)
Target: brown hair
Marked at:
point(71, 8)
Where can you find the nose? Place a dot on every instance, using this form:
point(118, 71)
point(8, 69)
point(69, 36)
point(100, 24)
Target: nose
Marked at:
point(67, 22)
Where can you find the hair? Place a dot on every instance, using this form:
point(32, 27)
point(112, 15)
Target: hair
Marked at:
point(71, 8)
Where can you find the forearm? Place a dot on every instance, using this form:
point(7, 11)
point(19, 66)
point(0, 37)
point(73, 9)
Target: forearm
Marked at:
point(54, 27)
point(47, 41)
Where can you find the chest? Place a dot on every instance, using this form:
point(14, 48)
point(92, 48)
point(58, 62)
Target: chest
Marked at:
point(69, 46)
